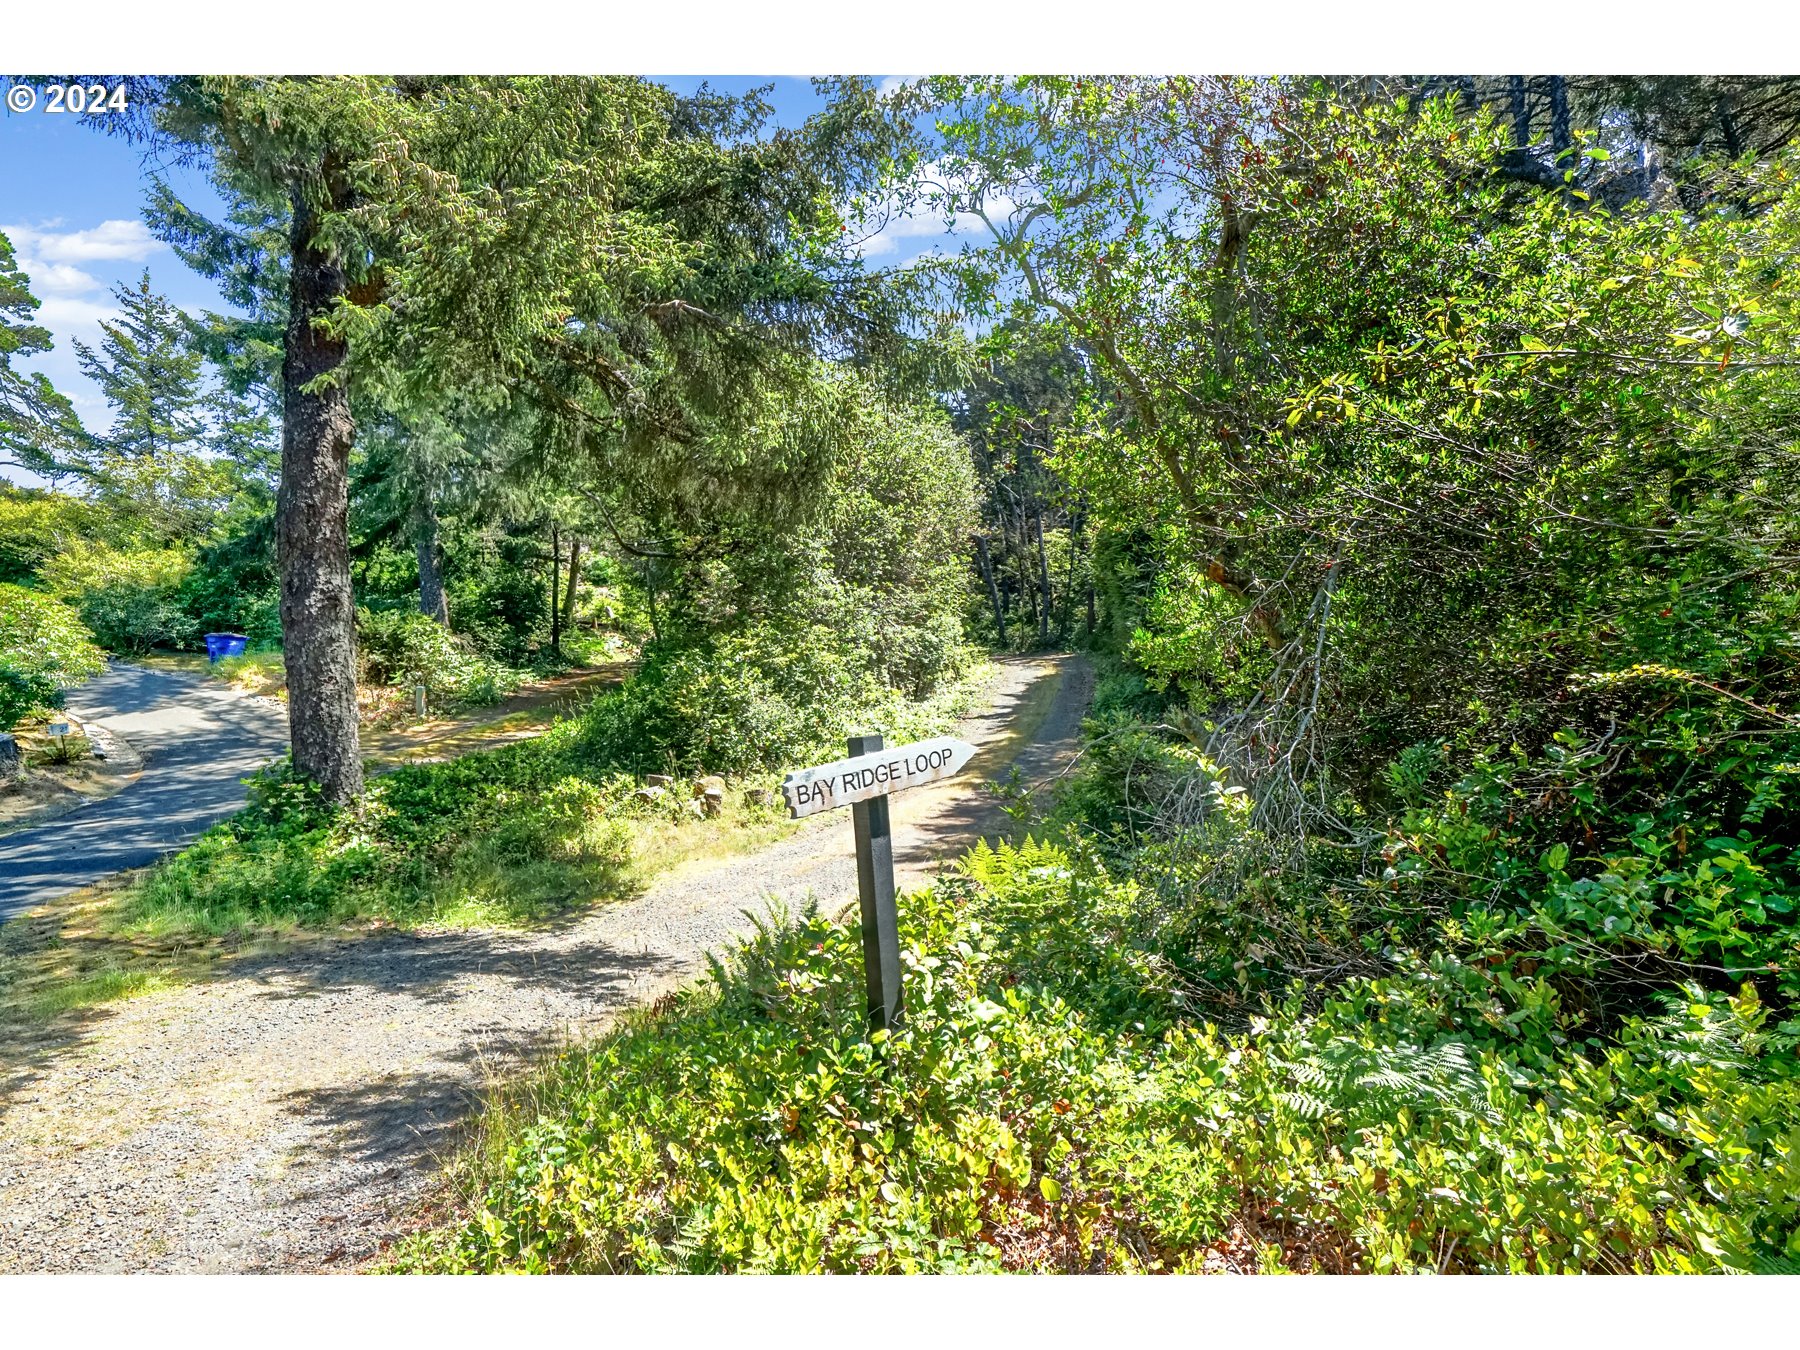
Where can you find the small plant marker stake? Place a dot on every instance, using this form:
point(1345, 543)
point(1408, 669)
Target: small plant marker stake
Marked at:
point(875, 888)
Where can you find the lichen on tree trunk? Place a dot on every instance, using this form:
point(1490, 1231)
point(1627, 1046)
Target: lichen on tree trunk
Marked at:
point(312, 521)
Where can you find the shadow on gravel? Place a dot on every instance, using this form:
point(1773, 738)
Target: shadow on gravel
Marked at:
point(407, 1120)
point(27, 1049)
point(402, 1120)
point(587, 977)
point(429, 967)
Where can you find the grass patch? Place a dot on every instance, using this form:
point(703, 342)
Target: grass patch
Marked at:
point(105, 986)
point(507, 836)
point(259, 672)
point(72, 954)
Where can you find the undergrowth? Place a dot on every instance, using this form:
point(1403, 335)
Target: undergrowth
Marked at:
point(510, 835)
point(1050, 1104)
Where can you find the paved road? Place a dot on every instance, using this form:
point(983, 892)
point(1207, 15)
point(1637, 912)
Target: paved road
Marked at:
point(199, 738)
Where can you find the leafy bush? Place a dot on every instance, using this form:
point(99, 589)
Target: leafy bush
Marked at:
point(404, 647)
point(764, 698)
point(35, 525)
point(760, 699)
point(44, 648)
point(129, 598)
point(752, 1127)
point(233, 587)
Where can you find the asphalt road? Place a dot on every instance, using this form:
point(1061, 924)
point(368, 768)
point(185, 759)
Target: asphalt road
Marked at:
point(199, 739)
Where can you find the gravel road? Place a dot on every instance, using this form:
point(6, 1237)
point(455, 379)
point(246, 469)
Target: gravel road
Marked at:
point(286, 1115)
point(198, 738)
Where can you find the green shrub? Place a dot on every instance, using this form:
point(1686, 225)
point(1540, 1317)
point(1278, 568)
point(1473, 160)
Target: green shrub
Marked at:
point(501, 836)
point(129, 598)
point(44, 648)
point(404, 647)
point(765, 698)
point(752, 1127)
point(36, 524)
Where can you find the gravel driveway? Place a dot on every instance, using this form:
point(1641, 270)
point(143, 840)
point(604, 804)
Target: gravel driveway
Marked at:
point(286, 1115)
point(198, 738)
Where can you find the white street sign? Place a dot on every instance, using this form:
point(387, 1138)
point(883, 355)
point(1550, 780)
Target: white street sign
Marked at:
point(829, 786)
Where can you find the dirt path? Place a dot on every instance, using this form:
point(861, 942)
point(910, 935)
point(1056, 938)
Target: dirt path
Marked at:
point(522, 715)
point(285, 1115)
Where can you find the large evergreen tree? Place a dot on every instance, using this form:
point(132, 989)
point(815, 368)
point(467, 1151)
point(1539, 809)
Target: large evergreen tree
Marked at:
point(150, 372)
point(37, 425)
point(152, 466)
point(642, 268)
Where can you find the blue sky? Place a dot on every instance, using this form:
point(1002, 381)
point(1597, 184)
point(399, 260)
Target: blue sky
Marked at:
point(71, 201)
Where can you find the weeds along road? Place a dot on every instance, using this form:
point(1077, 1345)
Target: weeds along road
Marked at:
point(198, 738)
point(287, 1113)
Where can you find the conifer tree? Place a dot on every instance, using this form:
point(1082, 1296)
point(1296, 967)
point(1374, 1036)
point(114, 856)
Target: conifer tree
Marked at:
point(37, 424)
point(149, 371)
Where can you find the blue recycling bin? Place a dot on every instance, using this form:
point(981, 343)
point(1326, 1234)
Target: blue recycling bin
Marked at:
point(221, 645)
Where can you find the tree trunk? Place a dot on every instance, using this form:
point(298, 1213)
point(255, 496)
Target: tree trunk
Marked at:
point(1561, 136)
point(1027, 591)
point(555, 591)
point(432, 602)
point(1043, 582)
point(1521, 110)
point(1734, 143)
point(650, 597)
point(318, 616)
point(987, 575)
point(574, 580)
point(1090, 613)
point(1068, 603)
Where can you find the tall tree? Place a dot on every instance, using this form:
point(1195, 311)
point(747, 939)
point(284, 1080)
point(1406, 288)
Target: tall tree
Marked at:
point(637, 264)
point(37, 424)
point(150, 465)
point(150, 372)
point(1358, 370)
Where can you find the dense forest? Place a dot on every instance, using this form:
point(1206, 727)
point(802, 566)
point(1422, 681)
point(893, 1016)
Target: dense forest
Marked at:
point(1415, 460)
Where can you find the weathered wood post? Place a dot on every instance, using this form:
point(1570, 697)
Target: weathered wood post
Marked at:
point(875, 888)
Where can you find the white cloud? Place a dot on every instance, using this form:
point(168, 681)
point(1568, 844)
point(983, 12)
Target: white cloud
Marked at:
point(889, 225)
point(48, 256)
point(73, 299)
point(886, 239)
point(68, 315)
point(53, 278)
point(892, 84)
point(109, 240)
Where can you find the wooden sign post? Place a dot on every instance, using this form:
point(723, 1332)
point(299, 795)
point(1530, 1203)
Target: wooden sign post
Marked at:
point(862, 782)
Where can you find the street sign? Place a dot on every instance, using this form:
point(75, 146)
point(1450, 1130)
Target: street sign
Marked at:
point(826, 787)
point(862, 782)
